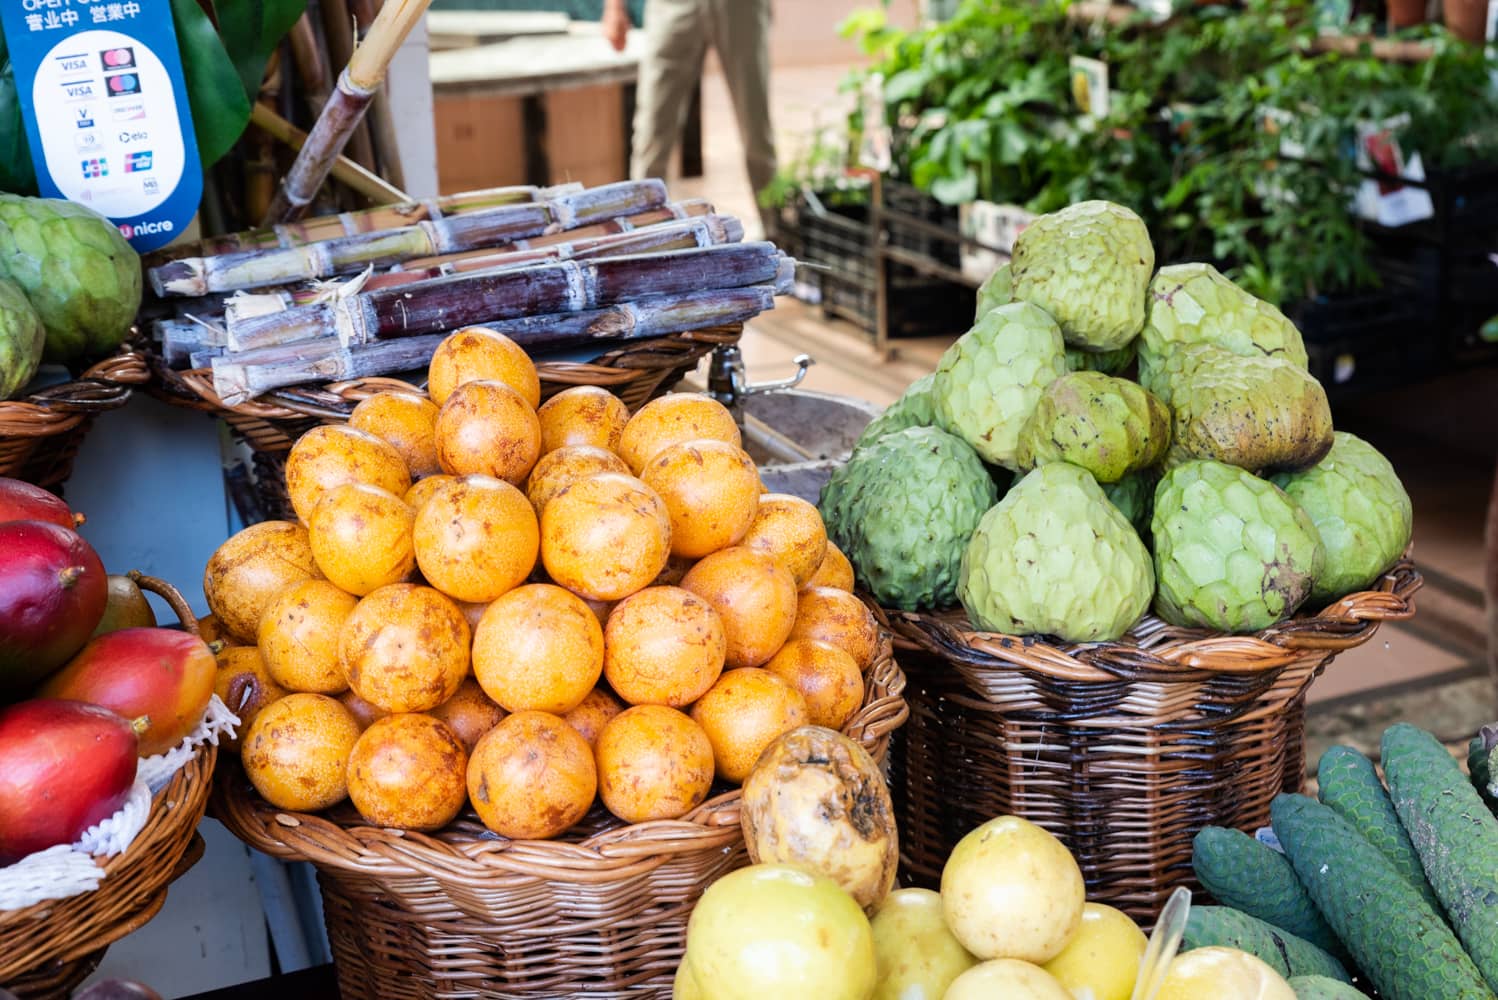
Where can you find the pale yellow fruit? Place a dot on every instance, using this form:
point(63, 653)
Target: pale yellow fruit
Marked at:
point(1006, 979)
point(916, 955)
point(1012, 890)
point(684, 986)
point(1223, 974)
point(1102, 960)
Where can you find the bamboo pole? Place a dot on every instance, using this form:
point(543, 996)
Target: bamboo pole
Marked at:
point(345, 170)
point(346, 106)
point(194, 276)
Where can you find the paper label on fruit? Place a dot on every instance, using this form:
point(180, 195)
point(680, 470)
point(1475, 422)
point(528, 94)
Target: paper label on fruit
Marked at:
point(105, 106)
point(1266, 836)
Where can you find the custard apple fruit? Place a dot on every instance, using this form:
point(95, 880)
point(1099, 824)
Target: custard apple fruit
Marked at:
point(912, 409)
point(1055, 557)
point(82, 277)
point(997, 291)
point(1233, 552)
point(1107, 362)
point(1106, 425)
point(1254, 412)
point(22, 339)
point(1134, 495)
point(1195, 304)
point(992, 377)
point(903, 508)
point(1089, 266)
point(1361, 511)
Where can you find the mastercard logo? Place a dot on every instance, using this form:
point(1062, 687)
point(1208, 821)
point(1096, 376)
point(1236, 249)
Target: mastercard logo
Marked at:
point(125, 83)
point(118, 58)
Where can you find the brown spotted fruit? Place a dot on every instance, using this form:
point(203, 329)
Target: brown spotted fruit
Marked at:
point(408, 771)
point(250, 570)
point(244, 685)
point(296, 752)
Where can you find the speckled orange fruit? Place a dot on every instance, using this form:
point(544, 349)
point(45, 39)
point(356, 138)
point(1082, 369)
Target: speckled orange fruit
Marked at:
point(711, 489)
point(334, 454)
point(538, 648)
point(835, 572)
point(653, 763)
point(827, 678)
point(605, 537)
point(296, 752)
point(405, 648)
point(363, 712)
point(211, 630)
point(470, 713)
point(663, 646)
point(475, 353)
point(409, 772)
point(790, 531)
point(472, 611)
point(251, 568)
point(600, 609)
point(532, 777)
point(361, 537)
point(245, 686)
point(839, 618)
point(559, 469)
point(486, 428)
point(673, 419)
point(476, 538)
point(299, 637)
point(742, 714)
point(407, 422)
point(582, 415)
point(595, 711)
point(753, 595)
point(421, 491)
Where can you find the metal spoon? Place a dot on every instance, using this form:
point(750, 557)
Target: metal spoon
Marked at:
point(1163, 945)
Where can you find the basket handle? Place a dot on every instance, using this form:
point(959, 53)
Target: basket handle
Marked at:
point(171, 595)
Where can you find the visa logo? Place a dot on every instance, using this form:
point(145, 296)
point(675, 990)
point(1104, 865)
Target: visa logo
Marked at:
point(74, 64)
point(78, 91)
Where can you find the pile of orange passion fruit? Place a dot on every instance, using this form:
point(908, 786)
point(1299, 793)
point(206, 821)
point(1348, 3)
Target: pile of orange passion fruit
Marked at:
point(528, 608)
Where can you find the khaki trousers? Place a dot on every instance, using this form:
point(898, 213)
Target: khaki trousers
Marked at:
point(677, 36)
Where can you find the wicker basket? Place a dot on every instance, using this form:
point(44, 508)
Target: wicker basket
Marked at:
point(270, 424)
point(40, 433)
point(1124, 750)
point(463, 914)
point(47, 949)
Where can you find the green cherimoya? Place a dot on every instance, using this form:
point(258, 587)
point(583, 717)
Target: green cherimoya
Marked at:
point(912, 409)
point(903, 508)
point(1232, 551)
point(1108, 426)
point(997, 290)
point(1361, 510)
point(80, 274)
point(1055, 557)
point(1134, 496)
point(1258, 413)
point(1107, 362)
point(1089, 266)
point(992, 377)
point(22, 339)
point(1195, 304)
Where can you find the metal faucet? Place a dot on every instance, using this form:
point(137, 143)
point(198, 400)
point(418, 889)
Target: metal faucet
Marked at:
point(727, 380)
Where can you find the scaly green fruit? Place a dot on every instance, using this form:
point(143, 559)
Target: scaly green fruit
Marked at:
point(1055, 557)
point(1232, 551)
point(989, 381)
point(914, 408)
point(1481, 754)
point(1257, 880)
point(1256, 413)
point(1225, 927)
point(997, 290)
point(1134, 496)
point(902, 510)
point(22, 339)
point(1106, 425)
point(1322, 988)
point(1361, 510)
point(1107, 362)
point(82, 277)
point(1089, 266)
point(1194, 304)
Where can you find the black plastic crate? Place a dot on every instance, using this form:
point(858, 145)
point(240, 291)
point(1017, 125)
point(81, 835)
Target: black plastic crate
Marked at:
point(1465, 202)
point(915, 221)
point(1365, 342)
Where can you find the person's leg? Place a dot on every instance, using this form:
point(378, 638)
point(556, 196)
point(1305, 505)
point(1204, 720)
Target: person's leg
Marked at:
point(671, 65)
point(741, 37)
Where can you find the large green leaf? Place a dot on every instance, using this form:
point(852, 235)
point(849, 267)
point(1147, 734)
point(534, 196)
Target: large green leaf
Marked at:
point(220, 109)
point(16, 173)
point(251, 30)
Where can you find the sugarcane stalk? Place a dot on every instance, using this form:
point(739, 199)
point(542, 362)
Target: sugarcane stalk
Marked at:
point(484, 296)
point(311, 67)
point(237, 378)
point(345, 108)
point(361, 144)
point(363, 181)
point(194, 276)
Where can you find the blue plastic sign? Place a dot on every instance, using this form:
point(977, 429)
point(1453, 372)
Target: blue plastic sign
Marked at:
point(105, 106)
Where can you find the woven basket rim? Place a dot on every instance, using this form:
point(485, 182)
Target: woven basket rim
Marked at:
point(464, 856)
point(106, 385)
point(1155, 651)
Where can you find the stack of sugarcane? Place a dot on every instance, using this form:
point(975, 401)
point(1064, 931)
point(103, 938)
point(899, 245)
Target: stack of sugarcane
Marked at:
point(552, 268)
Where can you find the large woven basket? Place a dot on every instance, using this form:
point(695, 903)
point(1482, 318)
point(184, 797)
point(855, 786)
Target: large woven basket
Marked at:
point(462, 913)
point(270, 424)
point(40, 433)
point(48, 949)
point(1123, 750)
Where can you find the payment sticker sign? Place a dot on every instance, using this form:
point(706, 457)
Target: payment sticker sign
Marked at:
point(107, 117)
